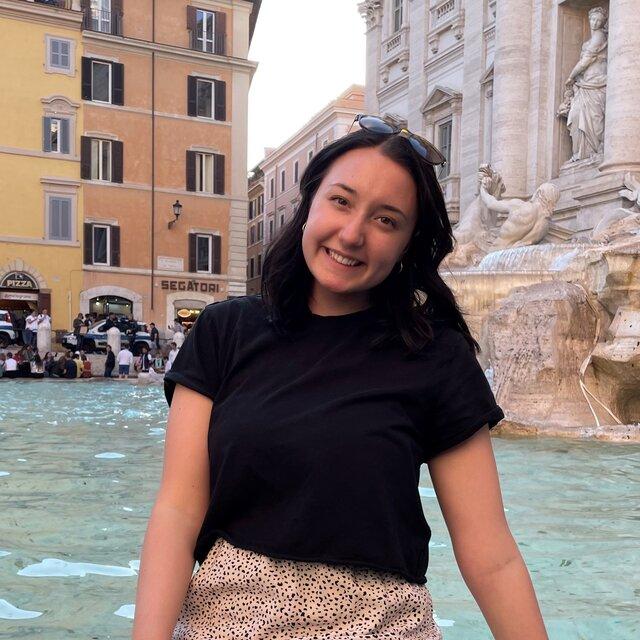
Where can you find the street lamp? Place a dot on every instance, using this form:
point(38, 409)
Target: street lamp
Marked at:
point(177, 210)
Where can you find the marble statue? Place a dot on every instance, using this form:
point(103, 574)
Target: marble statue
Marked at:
point(621, 223)
point(527, 221)
point(473, 231)
point(585, 93)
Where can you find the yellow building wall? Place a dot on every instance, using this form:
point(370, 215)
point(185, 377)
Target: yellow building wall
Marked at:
point(26, 172)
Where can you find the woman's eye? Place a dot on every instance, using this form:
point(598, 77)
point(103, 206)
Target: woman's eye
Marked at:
point(343, 202)
point(391, 220)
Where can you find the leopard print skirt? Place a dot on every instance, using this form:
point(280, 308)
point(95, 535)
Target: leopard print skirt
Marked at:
point(237, 593)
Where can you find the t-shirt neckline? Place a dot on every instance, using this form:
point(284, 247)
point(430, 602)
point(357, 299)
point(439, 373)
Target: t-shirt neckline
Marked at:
point(343, 318)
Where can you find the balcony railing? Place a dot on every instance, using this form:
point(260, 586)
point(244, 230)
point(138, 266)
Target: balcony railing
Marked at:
point(60, 4)
point(103, 21)
point(217, 44)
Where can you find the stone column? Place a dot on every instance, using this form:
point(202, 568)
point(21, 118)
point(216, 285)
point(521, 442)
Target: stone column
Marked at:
point(622, 116)
point(511, 94)
point(371, 11)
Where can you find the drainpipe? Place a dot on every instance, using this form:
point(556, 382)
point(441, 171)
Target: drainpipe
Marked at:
point(153, 147)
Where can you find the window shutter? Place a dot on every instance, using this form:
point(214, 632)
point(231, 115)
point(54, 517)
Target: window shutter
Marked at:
point(192, 25)
point(114, 230)
point(64, 133)
point(116, 14)
point(65, 219)
point(117, 149)
point(46, 134)
point(220, 35)
point(117, 78)
point(191, 170)
point(220, 90)
point(85, 158)
point(216, 243)
point(218, 169)
point(192, 96)
point(86, 79)
point(88, 243)
point(192, 252)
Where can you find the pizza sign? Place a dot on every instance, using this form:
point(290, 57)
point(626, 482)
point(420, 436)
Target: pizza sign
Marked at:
point(18, 280)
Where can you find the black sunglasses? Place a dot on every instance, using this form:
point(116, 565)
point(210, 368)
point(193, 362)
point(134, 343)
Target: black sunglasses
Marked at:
point(423, 147)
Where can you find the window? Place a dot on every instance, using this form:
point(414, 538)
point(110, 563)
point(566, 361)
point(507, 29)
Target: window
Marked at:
point(205, 172)
point(259, 263)
point(251, 209)
point(310, 155)
point(325, 143)
point(101, 15)
point(295, 172)
point(59, 223)
point(270, 229)
point(271, 187)
point(204, 30)
point(203, 254)
point(207, 30)
point(102, 81)
point(100, 244)
point(260, 230)
point(206, 98)
point(261, 203)
point(252, 235)
point(55, 135)
point(100, 159)
point(59, 54)
point(251, 268)
point(444, 136)
point(397, 15)
point(282, 181)
point(281, 220)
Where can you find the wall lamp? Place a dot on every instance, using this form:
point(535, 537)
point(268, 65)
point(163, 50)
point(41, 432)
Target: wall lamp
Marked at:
point(177, 210)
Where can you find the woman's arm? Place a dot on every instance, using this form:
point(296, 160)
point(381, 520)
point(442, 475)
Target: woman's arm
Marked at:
point(465, 479)
point(166, 565)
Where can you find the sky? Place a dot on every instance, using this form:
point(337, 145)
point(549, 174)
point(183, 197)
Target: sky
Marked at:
point(308, 52)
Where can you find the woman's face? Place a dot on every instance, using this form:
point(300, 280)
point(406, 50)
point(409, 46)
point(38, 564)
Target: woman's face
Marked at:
point(596, 21)
point(364, 210)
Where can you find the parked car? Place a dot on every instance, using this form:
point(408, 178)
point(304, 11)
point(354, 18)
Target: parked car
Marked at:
point(95, 340)
point(7, 330)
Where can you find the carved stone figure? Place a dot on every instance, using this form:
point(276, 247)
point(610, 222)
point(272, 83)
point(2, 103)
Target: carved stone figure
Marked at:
point(528, 221)
point(585, 95)
point(473, 231)
point(621, 223)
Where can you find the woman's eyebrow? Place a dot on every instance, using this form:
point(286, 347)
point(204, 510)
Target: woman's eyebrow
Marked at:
point(352, 191)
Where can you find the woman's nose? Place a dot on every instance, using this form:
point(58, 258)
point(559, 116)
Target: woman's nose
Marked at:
point(352, 232)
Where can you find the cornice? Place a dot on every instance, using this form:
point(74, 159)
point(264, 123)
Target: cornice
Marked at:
point(40, 13)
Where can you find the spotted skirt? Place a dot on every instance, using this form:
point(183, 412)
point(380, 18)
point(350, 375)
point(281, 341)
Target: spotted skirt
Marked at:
point(237, 593)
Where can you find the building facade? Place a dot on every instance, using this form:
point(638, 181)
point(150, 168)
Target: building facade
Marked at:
point(255, 231)
point(488, 82)
point(165, 89)
point(40, 127)
point(283, 167)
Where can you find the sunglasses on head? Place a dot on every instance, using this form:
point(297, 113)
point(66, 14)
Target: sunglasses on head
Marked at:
point(423, 147)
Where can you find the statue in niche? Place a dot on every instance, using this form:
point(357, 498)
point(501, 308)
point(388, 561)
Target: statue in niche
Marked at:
point(585, 94)
point(473, 231)
point(527, 221)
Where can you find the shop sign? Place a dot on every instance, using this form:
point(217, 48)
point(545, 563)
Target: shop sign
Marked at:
point(18, 280)
point(6, 295)
point(190, 285)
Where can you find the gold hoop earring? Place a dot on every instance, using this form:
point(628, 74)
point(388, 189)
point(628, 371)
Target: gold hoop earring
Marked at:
point(303, 226)
point(401, 266)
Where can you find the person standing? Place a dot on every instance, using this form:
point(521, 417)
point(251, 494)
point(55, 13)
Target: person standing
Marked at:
point(3, 360)
point(79, 364)
point(155, 335)
point(110, 362)
point(19, 324)
point(171, 356)
point(44, 316)
point(78, 323)
point(125, 360)
point(31, 329)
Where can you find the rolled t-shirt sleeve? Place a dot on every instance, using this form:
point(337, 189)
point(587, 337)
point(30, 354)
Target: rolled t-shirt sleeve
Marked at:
point(463, 401)
point(197, 365)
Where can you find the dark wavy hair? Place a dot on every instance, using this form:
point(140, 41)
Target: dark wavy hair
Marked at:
point(409, 300)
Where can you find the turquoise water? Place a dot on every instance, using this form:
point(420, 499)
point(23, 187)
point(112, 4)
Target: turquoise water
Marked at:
point(80, 464)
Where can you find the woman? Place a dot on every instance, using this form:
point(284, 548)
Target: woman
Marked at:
point(299, 420)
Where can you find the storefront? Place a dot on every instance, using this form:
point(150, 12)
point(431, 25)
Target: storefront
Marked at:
point(20, 293)
point(102, 306)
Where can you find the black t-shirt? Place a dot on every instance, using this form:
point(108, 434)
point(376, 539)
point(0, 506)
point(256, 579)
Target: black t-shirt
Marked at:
point(316, 441)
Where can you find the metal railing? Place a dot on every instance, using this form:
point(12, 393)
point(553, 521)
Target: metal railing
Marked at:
point(217, 45)
point(103, 21)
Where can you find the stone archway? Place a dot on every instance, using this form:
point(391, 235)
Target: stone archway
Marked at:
point(18, 264)
point(94, 292)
